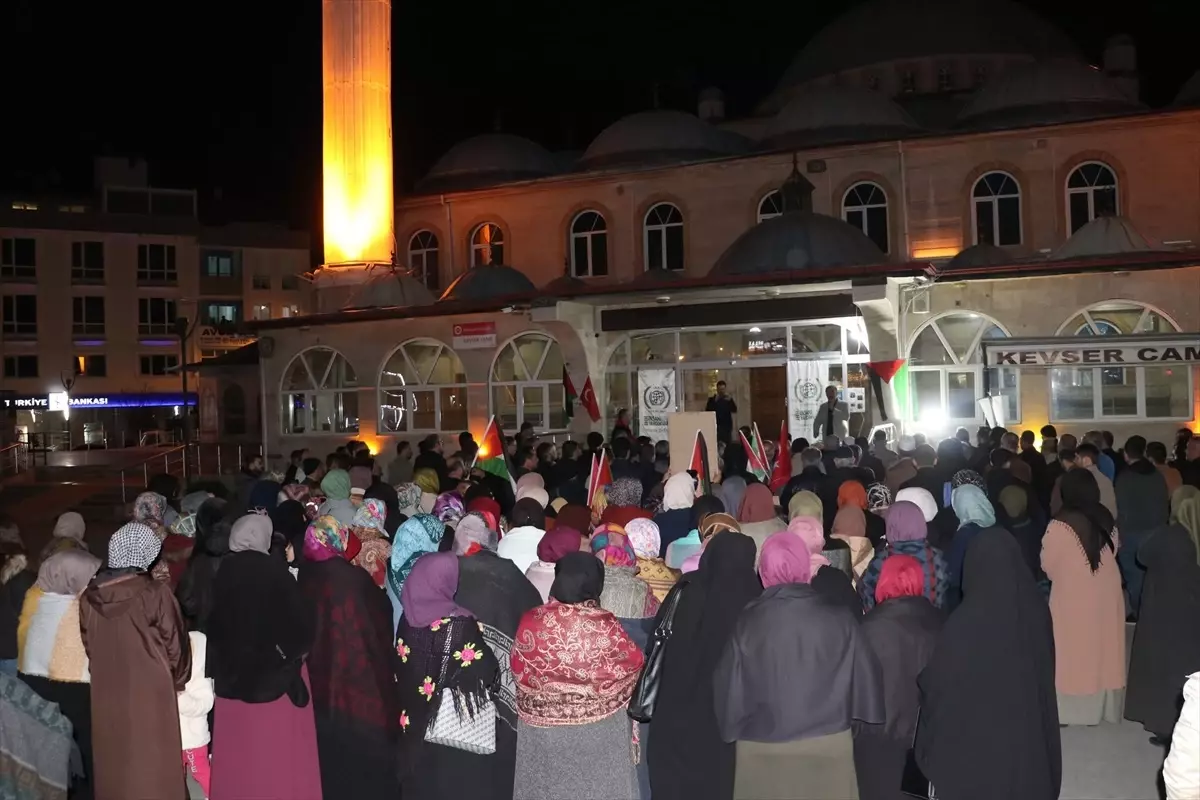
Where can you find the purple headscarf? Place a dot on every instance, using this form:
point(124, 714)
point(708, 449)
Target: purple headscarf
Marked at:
point(428, 593)
point(785, 559)
point(906, 523)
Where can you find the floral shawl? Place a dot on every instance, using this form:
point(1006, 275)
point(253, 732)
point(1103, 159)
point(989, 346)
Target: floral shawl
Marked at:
point(573, 664)
point(376, 550)
point(417, 536)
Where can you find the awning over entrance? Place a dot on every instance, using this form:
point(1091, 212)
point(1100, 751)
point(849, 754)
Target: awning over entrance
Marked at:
point(1093, 351)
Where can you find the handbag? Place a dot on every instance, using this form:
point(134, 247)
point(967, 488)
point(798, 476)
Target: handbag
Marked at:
point(645, 691)
point(460, 728)
point(912, 780)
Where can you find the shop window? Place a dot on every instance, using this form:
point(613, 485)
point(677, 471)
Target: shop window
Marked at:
point(487, 245)
point(1091, 193)
point(996, 201)
point(20, 366)
point(1097, 393)
point(158, 364)
point(865, 207)
point(19, 315)
point(946, 373)
point(18, 258)
point(771, 206)
point(87, 316)
point(663, 235)
point(87, 262)
point(589, 245)
point(422, 389)
point(423, 259)
point(233, 407)
point(526, 384)
point(156, 315)
point(156, 264)
point(319, 393)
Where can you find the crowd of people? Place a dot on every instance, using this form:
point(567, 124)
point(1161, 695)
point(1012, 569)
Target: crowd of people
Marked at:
point(428, 630)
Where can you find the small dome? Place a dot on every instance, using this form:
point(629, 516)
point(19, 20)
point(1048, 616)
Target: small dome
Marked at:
point(819, 114)
point(487, 160)
point(1048, 92)
point(797, 241)
point(564, 284)
point(660, 137)
point(656, 279)
point(487, 283)
point(1189, 95)
point(979, 255)
point(1104, 236)
point(387, 289)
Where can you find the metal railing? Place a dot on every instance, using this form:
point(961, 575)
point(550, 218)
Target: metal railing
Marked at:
point(14, 459)
point(170, 462)
point(205, 460)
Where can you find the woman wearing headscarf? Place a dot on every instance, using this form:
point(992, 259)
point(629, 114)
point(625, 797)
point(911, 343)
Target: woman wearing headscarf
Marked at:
point(139, 658)
point(528, 526)
point(790, 702)
point(647, 544)
point(68, 534)
point(442, 659)
point(149, 509)
point(627, 596)
point(336, 488)
point(1086, 602)
point(419, 535)
point(680, 550)
point(1166, 644)
point(709, 525)
point(493, 590)
point(369, 527)
point(552, 547)
point(264, 739)
point(850, 526)
point(975, 514)
point(575, 516)
point(290, 523)
point(1012, 512)
point(408, 499)
point(988, 725)
point(733, 490)
point(391, 505)
point(430, 484)
point(853, 493)
point(51, 657)
point(922, 499)
point(473, 534)
point(674, 518)
point(902, 630)
point(575, 669)
point(827, 580)
point(355, 704)
point(685, 753)
point(449, 508)
point(807, 505)
point(624, 498)
point(757, 516)
point(195, 590)
point(906, 531)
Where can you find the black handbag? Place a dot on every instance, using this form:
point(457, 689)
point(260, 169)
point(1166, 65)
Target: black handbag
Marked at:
point(913, 781)
point(645, 691)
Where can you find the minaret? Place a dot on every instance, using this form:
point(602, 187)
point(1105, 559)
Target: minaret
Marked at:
point(356, 74)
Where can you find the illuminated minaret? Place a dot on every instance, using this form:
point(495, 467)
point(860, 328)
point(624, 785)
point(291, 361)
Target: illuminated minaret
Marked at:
point(356, 73)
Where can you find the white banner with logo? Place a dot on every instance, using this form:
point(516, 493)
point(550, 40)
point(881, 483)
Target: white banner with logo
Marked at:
point(656, 402)
point(806, 381)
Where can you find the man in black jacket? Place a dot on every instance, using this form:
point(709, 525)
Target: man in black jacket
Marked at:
point(1143, 505)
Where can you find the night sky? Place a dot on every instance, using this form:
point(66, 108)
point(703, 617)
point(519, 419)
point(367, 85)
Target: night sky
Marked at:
point(219, 96)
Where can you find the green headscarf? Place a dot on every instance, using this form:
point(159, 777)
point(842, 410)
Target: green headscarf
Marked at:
point(970, 504)
point(336, 485)
point(427, 479)
point(806, 504)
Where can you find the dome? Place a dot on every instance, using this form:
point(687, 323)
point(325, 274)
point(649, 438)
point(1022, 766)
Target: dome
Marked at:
point(487, 283)
point(564, 284)
point(1189, 95)
point(819, 114)
point(1104, 236)
point(656, 279)
point(660, 137)
point(797, 241)
point(880, 31)
point(979, 255)
point(1052, 91)
point(386, 289)
point(489, 159)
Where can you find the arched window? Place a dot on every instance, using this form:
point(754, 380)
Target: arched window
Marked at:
point(487, 245)
point(771, 206)
point(527, 384)
point(1091, 193)
point(996, 199)
point(946, 372)
point(663, 232)
point(1096, 393)
point(233, 408)
point(319, 392)
point(589, 245)
point(865, 207)
point(423, 259)
point(422, 389)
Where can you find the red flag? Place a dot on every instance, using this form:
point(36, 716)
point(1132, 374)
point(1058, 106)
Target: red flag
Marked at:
point(600, 475)
point(588, 400)
point(699, 463)
point(782, 472)
point(887, 369)
point(569, 395)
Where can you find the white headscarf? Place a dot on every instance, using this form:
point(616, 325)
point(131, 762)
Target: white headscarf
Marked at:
point(679, 492)
point(921, 498)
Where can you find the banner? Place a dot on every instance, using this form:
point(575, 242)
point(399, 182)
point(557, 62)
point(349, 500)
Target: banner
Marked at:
point(656, 391)
point(807, 380)
point(1092, 351)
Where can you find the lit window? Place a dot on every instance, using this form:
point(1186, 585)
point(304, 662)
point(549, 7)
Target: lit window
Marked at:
point(91, 366)
point(218, 265)
point(319, 393)
point(423, 259)
point(262, 311)
point(1091, 193)
point(487, 245)
point(770, 206)
point(527, 384)
point(589, 245)
point(947, 371)
point(422, 388)
point(292, 310)
point(865, 207)
point(997, 203)
point(663, 234)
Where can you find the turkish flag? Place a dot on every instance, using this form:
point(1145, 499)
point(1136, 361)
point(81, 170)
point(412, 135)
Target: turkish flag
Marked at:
point(588, 400)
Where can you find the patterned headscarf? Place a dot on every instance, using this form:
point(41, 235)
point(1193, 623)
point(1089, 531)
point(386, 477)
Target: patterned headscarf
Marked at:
point(967, 476)
point(419, 535)
point(490, 510)
point(712, 524)
point(326, 538)
point(408, 495)
point(645, 537)
point(149, 508)
point(449, 508)
point(427, 480)
point(879, 497)
point(474, 534)
point(133, 546)
point(625, 493)
point(371, 514)
point(612, 547)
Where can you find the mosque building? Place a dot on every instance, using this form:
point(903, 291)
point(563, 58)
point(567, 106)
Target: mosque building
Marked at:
point(942, 208)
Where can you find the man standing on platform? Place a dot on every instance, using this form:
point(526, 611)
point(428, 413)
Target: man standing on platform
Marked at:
point(724, 407)
point(833, 417)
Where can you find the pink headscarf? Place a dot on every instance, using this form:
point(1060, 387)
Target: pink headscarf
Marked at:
point(785, 559)
point(813, 535)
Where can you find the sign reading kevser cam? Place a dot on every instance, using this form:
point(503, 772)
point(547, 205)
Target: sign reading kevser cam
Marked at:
point(1100, 356)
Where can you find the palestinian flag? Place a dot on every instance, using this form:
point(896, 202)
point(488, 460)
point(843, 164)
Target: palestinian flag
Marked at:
point(599, 476)
point(782, 472)
point(758, 442)
point(569, 394)
point(490, 456)
point(699, 463)
point(756, 465)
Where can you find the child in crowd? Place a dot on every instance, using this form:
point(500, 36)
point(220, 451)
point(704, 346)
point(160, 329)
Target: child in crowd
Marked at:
point(195, 702)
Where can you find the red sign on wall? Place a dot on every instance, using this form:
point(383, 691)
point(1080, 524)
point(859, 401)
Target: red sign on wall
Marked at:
point(474, 335)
